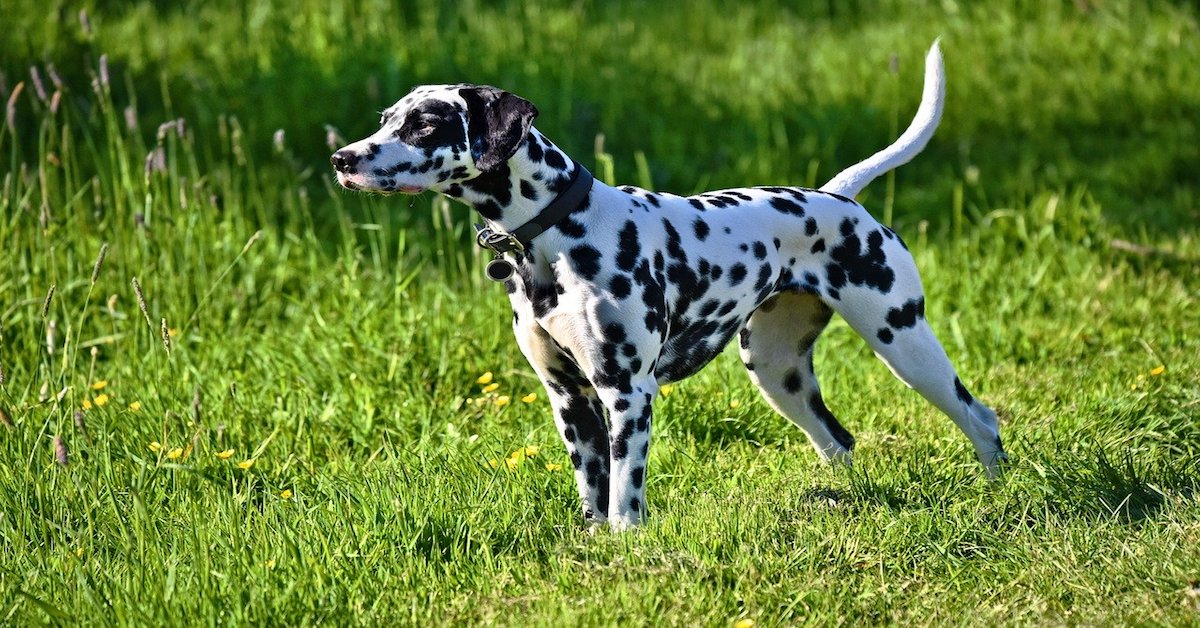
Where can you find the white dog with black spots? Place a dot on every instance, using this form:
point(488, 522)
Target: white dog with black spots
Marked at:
point(616, 291)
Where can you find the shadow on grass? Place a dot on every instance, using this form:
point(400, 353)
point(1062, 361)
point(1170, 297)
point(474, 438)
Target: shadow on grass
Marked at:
point(1092, 486)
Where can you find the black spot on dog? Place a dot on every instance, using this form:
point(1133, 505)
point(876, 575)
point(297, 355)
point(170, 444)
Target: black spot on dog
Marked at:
point(527, 190)
point(818, 246)
point(760, 250)
point(620, 286)
point(586, 260)
point(792, 381)
point(637, 476)
point(555, 159)
point(737, 273)
point(907, 315)
point(628, 247)
point(787, 206)
point(963, 394)
point(885, 335)
point(701, 229)
point(839, 433)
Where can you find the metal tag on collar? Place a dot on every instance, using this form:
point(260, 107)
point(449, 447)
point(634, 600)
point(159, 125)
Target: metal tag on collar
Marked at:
point(499, 270)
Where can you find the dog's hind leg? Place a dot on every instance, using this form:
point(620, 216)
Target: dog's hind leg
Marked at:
point(777, 348)
point(893, 323)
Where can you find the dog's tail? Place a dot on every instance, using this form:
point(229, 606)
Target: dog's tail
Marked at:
point(852, 180)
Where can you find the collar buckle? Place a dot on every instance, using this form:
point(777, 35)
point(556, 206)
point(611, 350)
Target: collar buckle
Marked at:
point(498, 242)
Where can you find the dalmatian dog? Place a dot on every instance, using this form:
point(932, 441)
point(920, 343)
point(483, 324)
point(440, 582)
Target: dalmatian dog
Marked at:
point(616, 291)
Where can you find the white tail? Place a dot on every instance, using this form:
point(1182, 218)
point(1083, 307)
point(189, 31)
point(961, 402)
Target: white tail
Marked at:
point(852, 180)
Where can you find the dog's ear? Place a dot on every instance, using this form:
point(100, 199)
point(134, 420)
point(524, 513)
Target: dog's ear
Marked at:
point(497, 121)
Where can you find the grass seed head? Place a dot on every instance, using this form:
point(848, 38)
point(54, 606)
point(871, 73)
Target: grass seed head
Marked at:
point(141, 300)
point(166, 336)
point(46, 302)
point(5, 418)
point(131, 118)
point(35, 77)
point(80, 424)
point(104, 71)
point(55, 101)
point(85, 24)
point(99, 262)
point(60, 451)
point(10, 112)
point(54, 77)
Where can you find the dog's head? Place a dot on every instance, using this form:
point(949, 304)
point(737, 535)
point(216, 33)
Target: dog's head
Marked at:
point(434, 137)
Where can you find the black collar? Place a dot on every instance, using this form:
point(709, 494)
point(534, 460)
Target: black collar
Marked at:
point(565, 203)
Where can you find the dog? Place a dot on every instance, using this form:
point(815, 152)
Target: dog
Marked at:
point(616, 291)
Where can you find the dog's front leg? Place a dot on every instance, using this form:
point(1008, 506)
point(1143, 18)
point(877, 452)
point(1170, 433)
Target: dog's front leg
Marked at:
point(629, 411)
point(578, 415)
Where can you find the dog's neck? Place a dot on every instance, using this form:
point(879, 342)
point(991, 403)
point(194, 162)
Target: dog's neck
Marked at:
point(519, 189)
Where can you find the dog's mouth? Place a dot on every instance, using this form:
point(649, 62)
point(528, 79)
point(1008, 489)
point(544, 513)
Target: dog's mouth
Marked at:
point(366, 184)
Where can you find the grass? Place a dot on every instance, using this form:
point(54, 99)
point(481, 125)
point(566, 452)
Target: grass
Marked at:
point(333, 341)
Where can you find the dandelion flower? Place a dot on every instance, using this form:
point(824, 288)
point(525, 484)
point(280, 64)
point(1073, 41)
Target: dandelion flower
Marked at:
point(246, 464)
point(502, 400)
point(491, 387)
point(175, 453)
point(484, 379)
point(734, 404)
point(530, 398)
point(155, 446)
point(100, 400)
point(135, 406)
point(512, 463)
point(1158, 370)
point(666, 390)
point(225, 455)
point(494, 463)
point(530, 450)
point(286, 493)
point(271, 564)
point(744, 622)
point(100, 385)
point(87, 404)
point(553, 466)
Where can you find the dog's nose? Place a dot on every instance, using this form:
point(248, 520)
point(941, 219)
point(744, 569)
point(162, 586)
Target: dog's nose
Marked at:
point(344, 160)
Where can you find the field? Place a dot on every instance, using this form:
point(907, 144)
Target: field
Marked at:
point(232, 393)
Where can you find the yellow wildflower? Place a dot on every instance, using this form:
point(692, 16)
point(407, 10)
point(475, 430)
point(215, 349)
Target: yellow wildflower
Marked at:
point(225, 455)
point(744, 622)
point(734, 404)
point(175, 453)
point(100, 400)
point(87, 404)
point(1158, 370)
point(530, 398)
point(172, 332)
point(553, 466)
point(491, 387)
point(484, 379)
point(246, 464)
point(502, 400)
point(155, 446)
point(666, 389)
point(271, 564)
point(135, 406)
point(286, 493)
point(494, 463)
point(99, 385)
point(512, 462)
point(530, 450)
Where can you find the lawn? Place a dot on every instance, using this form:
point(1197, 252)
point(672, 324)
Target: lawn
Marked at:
point(233, 393)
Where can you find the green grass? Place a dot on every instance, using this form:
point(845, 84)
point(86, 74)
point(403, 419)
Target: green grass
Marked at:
point(335, 339)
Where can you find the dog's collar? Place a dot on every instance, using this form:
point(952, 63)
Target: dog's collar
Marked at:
point(500, 242)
